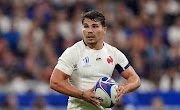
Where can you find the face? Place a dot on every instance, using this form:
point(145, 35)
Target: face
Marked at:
point(93, 33)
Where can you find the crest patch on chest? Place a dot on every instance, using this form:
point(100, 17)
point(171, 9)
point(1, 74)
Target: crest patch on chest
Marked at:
point(110, 60)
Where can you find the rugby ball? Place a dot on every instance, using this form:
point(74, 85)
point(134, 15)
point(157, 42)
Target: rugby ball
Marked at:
point(106, 90)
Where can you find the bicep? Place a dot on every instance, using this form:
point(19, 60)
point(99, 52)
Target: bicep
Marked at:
point(58, 75)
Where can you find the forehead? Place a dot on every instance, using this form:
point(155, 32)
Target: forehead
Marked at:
point(88, 21)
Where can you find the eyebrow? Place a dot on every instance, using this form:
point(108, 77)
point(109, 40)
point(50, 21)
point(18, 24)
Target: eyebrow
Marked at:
point(94, 24)
point(87, 24)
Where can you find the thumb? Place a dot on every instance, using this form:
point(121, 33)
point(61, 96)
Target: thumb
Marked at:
point(93, 89)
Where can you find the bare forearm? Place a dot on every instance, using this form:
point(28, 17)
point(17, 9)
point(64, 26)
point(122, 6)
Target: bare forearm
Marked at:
point(133, 80)
point(65, 88)
point(59, 83)
point(132, 84)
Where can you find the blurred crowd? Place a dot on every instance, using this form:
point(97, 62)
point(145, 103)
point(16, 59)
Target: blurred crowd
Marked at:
point(34, 33)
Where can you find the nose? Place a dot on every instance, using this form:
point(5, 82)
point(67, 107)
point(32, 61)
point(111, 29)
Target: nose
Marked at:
point(90, 30)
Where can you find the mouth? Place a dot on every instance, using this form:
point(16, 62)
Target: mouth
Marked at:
point(90, 37)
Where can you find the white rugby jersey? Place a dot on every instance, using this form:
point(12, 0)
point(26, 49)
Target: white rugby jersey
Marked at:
point(86, 66)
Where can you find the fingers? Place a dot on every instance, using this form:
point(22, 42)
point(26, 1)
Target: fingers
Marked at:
point(95, 96)
point(96, 104)
point(95, 99)
point(119, 96)
point(89, 96)
point(120, 93)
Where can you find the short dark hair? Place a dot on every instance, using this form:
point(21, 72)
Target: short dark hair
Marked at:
point(95, 16)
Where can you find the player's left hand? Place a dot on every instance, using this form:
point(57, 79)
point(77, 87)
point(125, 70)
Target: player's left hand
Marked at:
point(121, 91)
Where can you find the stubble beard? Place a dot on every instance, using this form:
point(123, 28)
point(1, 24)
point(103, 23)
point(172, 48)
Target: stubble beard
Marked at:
point(92, 43)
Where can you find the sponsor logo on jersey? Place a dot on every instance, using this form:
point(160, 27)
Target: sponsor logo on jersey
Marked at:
point(110, 60)
point(98, 59)
point(86, 62)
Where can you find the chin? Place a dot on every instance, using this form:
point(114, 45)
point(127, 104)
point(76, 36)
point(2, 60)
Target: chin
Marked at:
point(91, 42)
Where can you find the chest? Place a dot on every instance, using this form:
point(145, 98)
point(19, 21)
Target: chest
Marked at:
point(96, 63)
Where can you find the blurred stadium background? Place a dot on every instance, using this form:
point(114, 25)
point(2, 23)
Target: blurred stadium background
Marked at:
point(34, 33)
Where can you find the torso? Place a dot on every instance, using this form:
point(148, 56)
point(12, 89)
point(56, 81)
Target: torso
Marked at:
point(92, 65)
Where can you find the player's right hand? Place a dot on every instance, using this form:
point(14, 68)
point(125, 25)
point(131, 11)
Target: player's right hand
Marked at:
point(90, 97)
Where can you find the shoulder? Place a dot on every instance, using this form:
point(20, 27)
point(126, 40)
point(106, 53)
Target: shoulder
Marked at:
point(77, 46)
point(72, 53)
point(110, 47)
point(75, 50)
point(115, 51)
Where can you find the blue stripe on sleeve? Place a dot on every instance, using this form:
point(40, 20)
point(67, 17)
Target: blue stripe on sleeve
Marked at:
point(120, 69)
point(127, 66)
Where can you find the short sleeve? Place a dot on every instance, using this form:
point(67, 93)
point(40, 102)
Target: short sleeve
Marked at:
point(66, 61)
point(122, 61)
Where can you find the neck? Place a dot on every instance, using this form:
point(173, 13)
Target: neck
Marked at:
point(94, 46)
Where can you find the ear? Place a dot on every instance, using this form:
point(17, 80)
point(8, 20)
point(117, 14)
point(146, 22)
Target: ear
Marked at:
point(105, 29)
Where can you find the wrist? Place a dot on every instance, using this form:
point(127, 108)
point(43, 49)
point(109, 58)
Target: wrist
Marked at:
point(82, 95)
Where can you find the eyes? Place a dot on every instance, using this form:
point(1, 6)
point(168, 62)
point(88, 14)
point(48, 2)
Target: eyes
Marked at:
point(93, 26)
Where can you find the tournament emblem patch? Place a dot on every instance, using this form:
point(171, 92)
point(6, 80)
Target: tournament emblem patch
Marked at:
point(86, 62)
